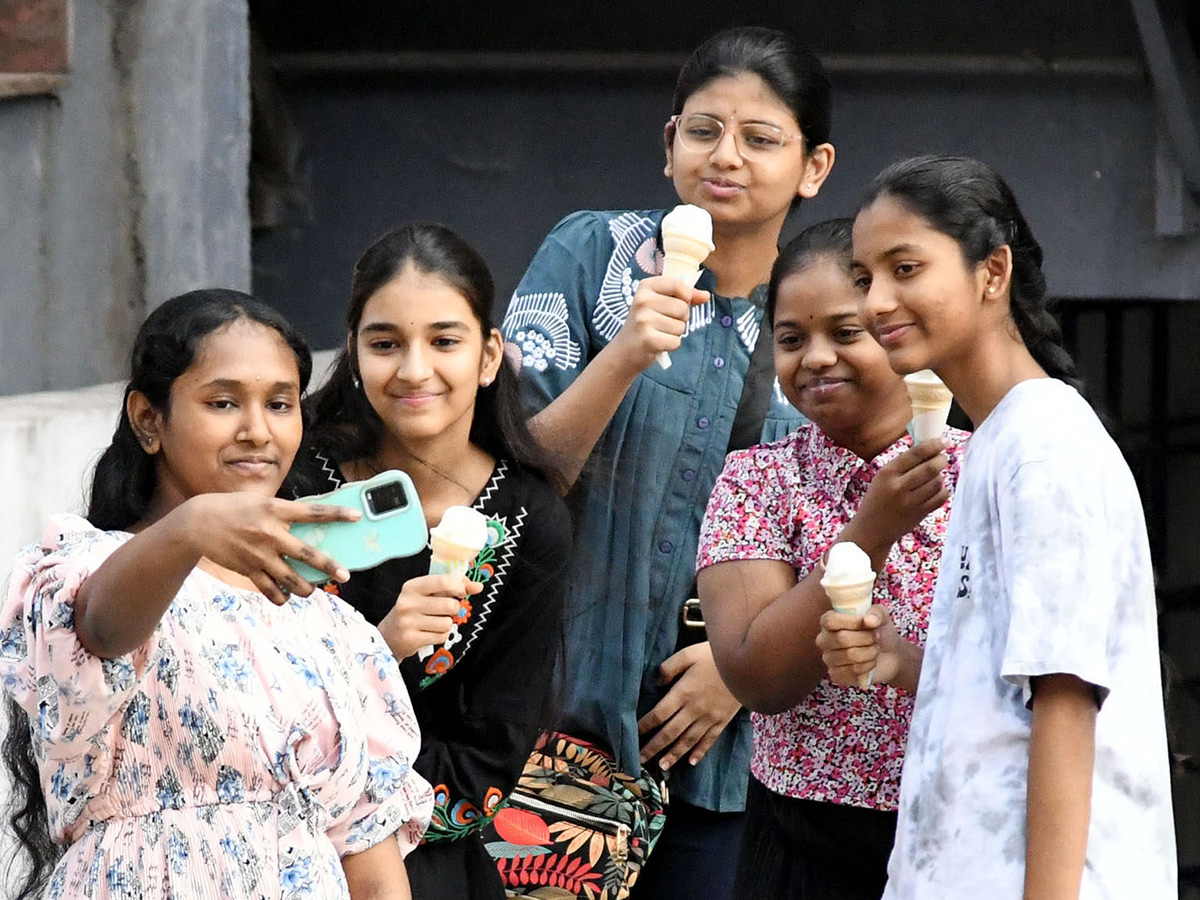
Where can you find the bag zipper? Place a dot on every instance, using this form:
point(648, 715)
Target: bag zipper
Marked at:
point(618, 829)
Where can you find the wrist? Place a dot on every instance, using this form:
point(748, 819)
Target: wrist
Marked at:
point(622, 364)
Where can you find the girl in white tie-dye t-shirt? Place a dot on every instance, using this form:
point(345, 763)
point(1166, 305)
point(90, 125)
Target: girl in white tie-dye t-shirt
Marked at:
point(1037, 762)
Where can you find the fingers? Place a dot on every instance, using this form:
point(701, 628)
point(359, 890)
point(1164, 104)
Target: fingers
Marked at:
point(686, 743)
point(299, 511)
point(678, 663)
point(840, 623)
point(293, 547)
point(663, 710)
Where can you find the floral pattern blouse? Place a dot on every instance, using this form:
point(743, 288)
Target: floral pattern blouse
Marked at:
point(238, 753)
point(789, 500)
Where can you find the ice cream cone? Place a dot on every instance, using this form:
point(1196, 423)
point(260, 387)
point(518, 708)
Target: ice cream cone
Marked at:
point(687, 240)
point(930, 405)
point(853, 599)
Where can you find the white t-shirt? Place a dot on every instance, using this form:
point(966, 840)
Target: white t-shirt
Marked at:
point(1046, 569)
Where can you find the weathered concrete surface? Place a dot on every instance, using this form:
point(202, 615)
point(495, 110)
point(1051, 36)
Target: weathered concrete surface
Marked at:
point(126, 188)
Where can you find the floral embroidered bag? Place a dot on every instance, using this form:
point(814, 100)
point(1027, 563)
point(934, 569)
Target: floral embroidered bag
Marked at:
point(575, 826)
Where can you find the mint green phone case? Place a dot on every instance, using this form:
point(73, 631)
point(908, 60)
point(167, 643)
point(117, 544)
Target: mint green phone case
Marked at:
point(392, 525)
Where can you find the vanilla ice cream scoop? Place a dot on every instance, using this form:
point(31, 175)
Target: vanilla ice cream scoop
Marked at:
point(930, 404)
point(461, 534)
point(847, 563)
point(687, 241)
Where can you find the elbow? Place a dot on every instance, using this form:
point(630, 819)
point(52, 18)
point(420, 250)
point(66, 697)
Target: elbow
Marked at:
point(762, 691)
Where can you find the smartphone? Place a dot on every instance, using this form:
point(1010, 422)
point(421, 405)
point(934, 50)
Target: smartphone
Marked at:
point(392, 525)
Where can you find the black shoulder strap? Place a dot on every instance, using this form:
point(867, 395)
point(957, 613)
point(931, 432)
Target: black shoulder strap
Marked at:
point(756, 392)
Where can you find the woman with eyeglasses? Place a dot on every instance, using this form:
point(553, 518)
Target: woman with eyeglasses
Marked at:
point(642, 445)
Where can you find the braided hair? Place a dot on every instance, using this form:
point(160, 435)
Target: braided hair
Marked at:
point(968, 201)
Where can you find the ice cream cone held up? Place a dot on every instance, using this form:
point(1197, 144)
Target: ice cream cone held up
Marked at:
point(687, 241)
point(457, 540)
point(848, 582)
point(930, 405)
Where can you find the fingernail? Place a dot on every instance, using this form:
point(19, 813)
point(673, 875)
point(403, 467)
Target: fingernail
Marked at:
point(693, 760)
point(342, 574)
point(664, 765)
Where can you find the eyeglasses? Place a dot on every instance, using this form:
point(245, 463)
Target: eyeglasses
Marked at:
point(702, 134)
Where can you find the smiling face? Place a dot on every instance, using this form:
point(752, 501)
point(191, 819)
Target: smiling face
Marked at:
point(422, 357)
point(741, 189)
point(233, 423)
point(828, 365)
point(923, 302)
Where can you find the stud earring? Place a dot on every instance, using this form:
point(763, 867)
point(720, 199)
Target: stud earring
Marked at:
point(354, 381)
point(485, 382)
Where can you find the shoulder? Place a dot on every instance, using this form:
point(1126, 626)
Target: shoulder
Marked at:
point(543, 514)
point(598, 234)
point(69, 535)
point(1046, 421)
point(771, 466)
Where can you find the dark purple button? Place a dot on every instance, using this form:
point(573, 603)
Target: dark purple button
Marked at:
point(689, 475)
point(703, 422)
point(726, 321)
point(719, 362)
point(666, 546)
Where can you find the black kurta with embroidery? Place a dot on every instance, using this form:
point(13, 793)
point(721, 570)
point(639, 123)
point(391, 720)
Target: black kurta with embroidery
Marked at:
point(482, 697)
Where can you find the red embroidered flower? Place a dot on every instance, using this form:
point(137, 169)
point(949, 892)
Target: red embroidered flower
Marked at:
point(440, 662)
point(464, 612)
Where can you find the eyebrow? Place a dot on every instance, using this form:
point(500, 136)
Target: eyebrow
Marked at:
point(378, 327)
point(836, 317)
point(233, 384)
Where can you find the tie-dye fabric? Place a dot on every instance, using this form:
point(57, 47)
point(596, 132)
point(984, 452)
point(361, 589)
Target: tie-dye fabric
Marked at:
point(1046, 569)
point(237, 754)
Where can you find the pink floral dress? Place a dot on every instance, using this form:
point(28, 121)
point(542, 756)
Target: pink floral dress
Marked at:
point(238, 753)
point(789, 500)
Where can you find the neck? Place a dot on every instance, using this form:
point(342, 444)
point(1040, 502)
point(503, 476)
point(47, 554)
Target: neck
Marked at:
point(743, 256)
point(869, 436)
point(447, 470)
point(980, 379)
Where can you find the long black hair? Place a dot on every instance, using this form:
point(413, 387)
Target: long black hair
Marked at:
point(123, 484)
point(346, 427)
point(968, 201)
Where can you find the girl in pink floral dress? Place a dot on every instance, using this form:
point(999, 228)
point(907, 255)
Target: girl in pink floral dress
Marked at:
point(826, 761)
point(201, 722)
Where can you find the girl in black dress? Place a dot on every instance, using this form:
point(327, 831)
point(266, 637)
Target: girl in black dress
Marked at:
point(423, 386)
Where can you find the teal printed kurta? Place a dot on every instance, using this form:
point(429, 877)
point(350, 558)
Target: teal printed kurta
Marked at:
point(639, 504)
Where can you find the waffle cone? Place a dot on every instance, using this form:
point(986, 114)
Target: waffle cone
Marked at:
point(853, 598)
point(929, 396)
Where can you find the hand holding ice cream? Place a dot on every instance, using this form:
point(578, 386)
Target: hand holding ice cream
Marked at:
point(455, 542)
point(930, 405)
point(848, 582)
point(687, 241)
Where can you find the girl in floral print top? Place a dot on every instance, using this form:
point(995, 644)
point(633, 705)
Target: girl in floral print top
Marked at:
point(826, 762)
point(202, 722)
point(423, 386)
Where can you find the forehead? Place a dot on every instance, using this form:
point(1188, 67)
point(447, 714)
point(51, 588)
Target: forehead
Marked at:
point(887, 223)
point(741, 94)
point(416, 296)
point(243, 350)
point(822, 288)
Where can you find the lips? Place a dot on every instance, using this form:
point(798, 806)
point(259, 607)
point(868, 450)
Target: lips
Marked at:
point(722, 188)
point(819, 388)
point(254, 465)
point(892, 333)
point(416, 401)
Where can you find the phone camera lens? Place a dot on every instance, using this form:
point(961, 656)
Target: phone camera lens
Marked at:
point(386, 498)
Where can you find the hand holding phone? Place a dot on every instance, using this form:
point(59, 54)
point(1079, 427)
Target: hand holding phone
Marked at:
point(392, 525)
